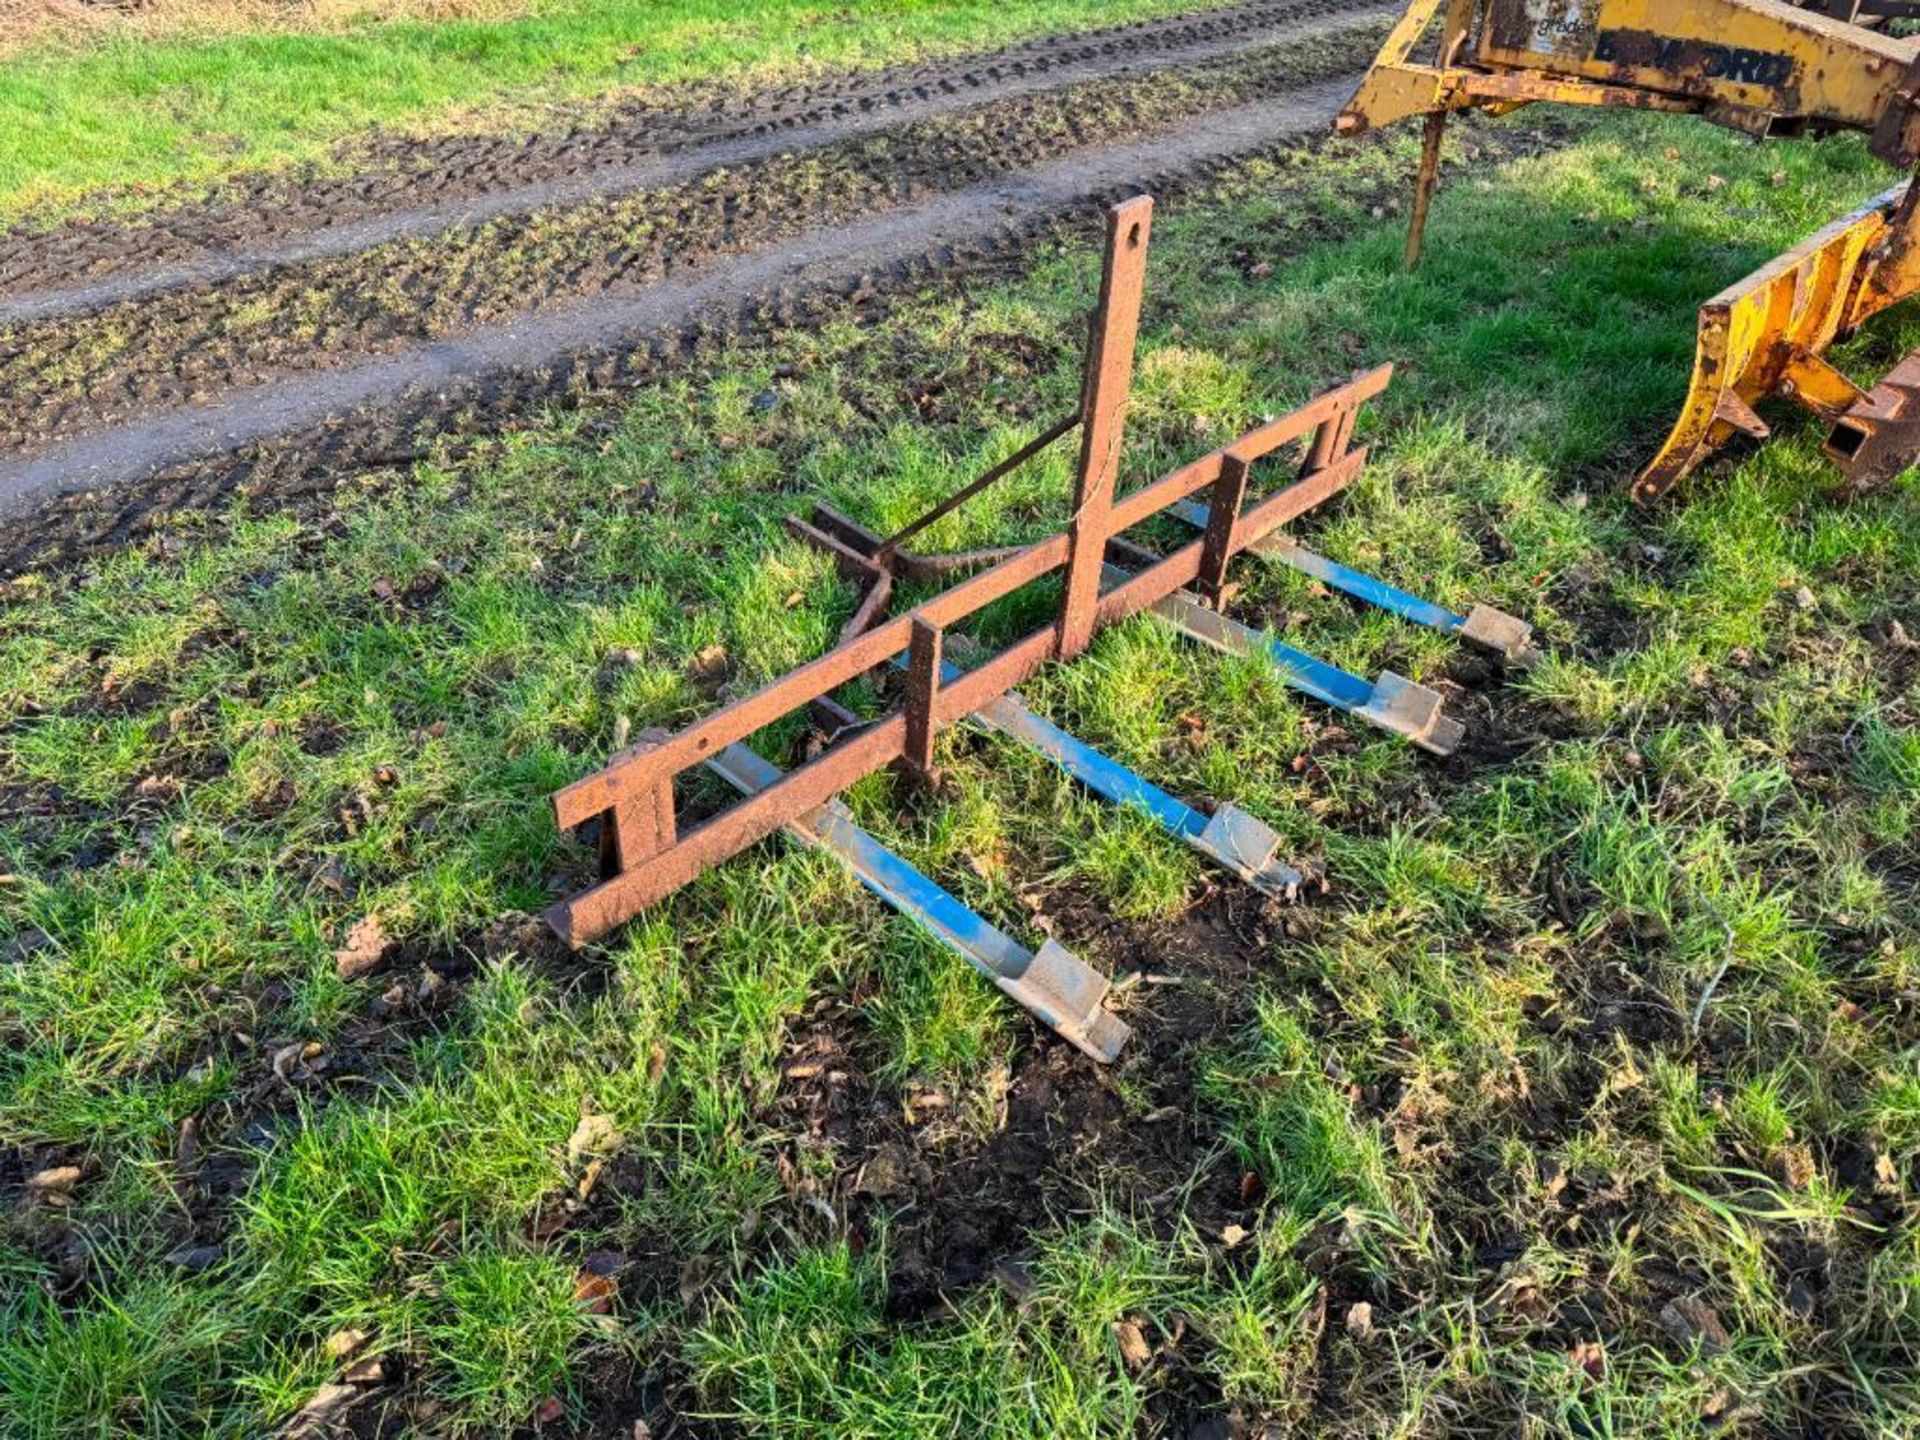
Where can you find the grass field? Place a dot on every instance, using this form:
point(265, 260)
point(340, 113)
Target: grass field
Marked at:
point(109, 121)
point(1584, 1101)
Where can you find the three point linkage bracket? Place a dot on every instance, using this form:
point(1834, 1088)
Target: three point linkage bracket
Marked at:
point(645, 857)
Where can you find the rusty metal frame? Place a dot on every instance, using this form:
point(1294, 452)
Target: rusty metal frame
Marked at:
point(650, 857)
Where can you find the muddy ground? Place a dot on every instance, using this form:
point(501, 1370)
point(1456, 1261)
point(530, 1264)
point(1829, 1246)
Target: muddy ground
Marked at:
point(175, 348)
point(286, 444)
point(185, 389)
point(389, 187)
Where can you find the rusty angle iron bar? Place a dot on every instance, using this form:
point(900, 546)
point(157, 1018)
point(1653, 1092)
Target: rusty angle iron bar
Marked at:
point(633, 795)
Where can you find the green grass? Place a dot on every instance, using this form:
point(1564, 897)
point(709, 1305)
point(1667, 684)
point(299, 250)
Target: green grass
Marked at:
point(1623, 1018)
point(111, 122)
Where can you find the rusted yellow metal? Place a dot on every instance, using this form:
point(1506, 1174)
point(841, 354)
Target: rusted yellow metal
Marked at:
point(1758, 56)
point(1761, 66)
point(1764, 336)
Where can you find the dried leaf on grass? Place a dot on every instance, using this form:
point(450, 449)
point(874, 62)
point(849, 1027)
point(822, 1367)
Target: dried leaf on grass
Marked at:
point(366, 947)
point(1691, 1319)
point(55, 1180)
point(595, 1134)
point(594, 1293)
point(1133, 1345)
point(322, 1414)
point(342, 1343)
point(186, 1145)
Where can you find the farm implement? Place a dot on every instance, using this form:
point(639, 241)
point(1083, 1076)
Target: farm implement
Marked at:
point(1762, 67)
point(946, 679)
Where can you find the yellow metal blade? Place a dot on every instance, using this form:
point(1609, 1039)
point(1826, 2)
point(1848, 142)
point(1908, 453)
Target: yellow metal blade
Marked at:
point(1755, 337)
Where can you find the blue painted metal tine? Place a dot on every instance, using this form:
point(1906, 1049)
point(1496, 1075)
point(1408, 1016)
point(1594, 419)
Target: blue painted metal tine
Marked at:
point(1284, 548)
point(1392, 702)
point(1061, 990)
point(1311, 675)
point(1487, 627)
point(1230, 837)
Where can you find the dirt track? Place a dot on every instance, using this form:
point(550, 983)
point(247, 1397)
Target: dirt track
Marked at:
point(818, 257)
point(166, 395)
point(467, 180)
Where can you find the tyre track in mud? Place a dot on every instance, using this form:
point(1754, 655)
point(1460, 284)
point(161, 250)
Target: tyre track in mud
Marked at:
point(557, 348)
point(65, 378)
point(256, 224)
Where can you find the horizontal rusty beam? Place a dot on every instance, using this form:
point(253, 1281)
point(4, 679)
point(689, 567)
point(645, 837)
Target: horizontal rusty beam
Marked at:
point(1196, 475)
point(586, 798)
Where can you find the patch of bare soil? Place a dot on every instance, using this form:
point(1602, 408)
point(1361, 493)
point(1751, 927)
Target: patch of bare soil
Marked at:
point(959, 1201)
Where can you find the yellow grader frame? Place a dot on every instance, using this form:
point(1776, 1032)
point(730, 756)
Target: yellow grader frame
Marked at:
point(1759, 66)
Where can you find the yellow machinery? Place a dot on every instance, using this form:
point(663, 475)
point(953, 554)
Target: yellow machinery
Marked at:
point(1763, 67)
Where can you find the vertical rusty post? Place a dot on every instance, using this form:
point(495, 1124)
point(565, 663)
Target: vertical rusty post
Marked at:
point(1423, 187)
point(1330, 442)
point(1103, 406)
point(1223, 514)
point(1454, 33)
point(634, 831)
point(923, 687)
point(1320, 453)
